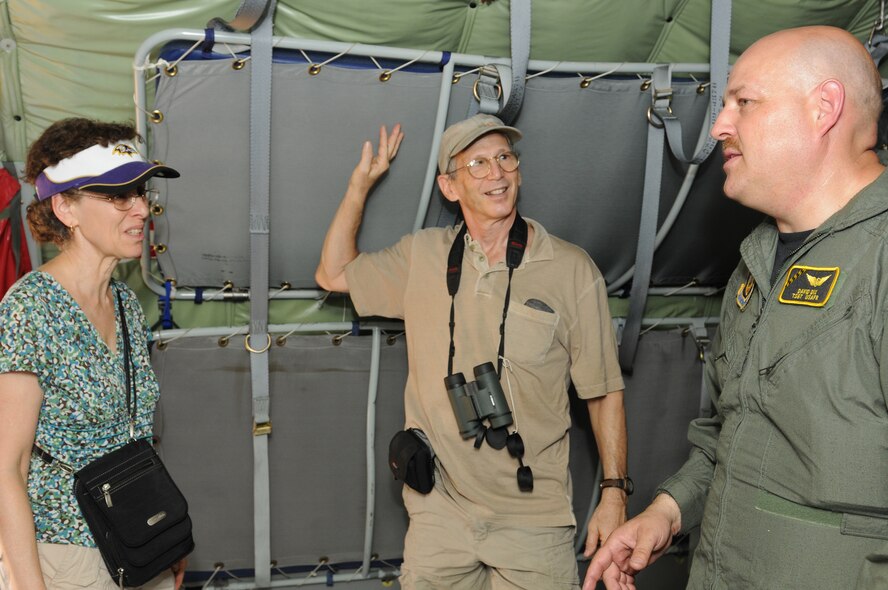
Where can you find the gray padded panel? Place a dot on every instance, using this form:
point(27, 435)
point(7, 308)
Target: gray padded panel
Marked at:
point(582, 169)
point(582, 163)
point(662, 397)
point(319, 124)
point(316, 450)
point(704, 242)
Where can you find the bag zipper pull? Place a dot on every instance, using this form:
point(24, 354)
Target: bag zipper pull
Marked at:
point(106, 490)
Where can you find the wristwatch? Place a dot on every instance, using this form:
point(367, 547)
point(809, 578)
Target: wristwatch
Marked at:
point(624, 484)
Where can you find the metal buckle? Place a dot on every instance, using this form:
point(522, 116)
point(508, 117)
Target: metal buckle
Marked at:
point(662, 94)
point(261, 428)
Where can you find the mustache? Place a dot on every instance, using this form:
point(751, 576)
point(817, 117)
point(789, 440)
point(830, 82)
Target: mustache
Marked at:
point(730, 143)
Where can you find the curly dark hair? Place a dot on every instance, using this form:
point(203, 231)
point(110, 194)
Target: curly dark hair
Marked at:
point(62, 140)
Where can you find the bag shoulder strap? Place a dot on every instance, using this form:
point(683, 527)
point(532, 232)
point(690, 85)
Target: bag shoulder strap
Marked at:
point(131, 397)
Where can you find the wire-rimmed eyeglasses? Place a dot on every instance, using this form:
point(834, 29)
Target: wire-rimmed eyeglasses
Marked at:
point(125, 201)
point(480, 167)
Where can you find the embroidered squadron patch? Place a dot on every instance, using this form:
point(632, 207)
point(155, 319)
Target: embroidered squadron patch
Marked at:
point(809, 285)
point(745, 292)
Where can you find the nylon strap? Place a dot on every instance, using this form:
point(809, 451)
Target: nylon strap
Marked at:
point(661, 118)
point(877, 44)
point(719, 50)
point(515, 248)
point(487, 91)
point(644, 254)
point(878, 47)
point(500, 84)
point(519, 23)
point(248, 15)
point(260, 157)
point(454, 272)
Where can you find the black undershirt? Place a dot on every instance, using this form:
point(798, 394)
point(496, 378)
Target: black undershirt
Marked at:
point(787, 243)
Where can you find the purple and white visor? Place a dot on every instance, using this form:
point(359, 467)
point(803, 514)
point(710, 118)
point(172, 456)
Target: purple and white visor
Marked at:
point(112, 169)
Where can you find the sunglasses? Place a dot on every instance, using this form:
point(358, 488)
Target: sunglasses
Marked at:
point(125, 201)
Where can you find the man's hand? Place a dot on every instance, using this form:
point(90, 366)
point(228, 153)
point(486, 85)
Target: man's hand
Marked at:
point(609, 514)
point(635, 545)
point(340, 245)
point(371, 166)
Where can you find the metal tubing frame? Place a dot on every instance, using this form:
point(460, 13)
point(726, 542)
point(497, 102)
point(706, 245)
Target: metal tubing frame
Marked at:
point(141, 60)
point(364, 572)
point(246, 584)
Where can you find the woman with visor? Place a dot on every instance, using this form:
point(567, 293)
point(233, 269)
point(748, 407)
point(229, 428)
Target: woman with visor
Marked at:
point(62, 378)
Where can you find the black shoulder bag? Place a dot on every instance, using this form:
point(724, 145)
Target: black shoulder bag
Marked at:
point(135, 512)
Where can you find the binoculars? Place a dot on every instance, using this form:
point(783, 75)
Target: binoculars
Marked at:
point(483, 399)
point(478, 400)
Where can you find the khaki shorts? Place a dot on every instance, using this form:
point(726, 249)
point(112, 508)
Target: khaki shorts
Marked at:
point(445, 548)
point(71, 567)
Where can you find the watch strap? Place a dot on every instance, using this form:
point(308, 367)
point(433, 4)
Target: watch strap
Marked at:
point(624, 483)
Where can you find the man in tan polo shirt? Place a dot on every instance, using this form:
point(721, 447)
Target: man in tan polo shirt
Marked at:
point(497, 289)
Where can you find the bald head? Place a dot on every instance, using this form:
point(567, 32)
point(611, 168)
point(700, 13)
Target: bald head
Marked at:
point(800, 117)
point(808, 56)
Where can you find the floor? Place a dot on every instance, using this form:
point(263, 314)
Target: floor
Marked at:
point(667, 573)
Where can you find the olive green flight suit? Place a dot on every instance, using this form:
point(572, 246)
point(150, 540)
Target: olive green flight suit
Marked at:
point(790, 478)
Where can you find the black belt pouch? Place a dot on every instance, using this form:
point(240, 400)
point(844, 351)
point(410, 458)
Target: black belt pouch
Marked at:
point(412, 460)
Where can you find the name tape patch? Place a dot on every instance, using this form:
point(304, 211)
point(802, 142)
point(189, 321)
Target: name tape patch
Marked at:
point(809, 285)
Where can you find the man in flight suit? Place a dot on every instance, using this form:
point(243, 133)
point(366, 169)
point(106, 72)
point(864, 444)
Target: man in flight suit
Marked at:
point(789, 481)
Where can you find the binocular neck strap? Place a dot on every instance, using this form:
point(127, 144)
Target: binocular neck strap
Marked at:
point(514, 254)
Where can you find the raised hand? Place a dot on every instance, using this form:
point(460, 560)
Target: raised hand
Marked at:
point(372, 166)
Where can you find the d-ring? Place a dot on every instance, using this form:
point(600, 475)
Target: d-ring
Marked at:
point(655, 119)
point(257, 350)
point(499, 90)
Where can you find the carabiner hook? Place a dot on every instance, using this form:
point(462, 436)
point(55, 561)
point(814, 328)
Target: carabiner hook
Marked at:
point(879, 25)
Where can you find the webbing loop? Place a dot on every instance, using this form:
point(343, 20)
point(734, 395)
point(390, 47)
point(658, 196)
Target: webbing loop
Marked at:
point(249, 16)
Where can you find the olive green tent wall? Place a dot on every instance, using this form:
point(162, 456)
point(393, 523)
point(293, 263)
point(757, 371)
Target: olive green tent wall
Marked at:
point(62, 58)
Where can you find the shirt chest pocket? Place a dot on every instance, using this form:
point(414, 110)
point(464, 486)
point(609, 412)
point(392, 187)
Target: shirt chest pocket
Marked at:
point(529, 333)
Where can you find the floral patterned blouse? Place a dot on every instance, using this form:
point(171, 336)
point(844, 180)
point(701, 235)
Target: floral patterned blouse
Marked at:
point(83, 415)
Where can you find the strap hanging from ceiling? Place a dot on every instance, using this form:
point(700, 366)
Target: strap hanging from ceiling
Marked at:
point(662, 121)
point(249, 14)
point(719, 52)
point(647, 232)
point(519, 21)
point(877, 44)
point(258, 341)
point(499, 89)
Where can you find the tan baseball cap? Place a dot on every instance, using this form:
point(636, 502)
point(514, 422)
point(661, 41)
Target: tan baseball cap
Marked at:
point(461, 135)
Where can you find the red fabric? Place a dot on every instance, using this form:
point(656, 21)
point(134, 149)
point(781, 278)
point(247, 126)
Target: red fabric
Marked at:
point(9, 186)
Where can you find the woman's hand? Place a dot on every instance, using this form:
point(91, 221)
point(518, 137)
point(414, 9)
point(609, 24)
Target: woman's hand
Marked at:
point(20, 401)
